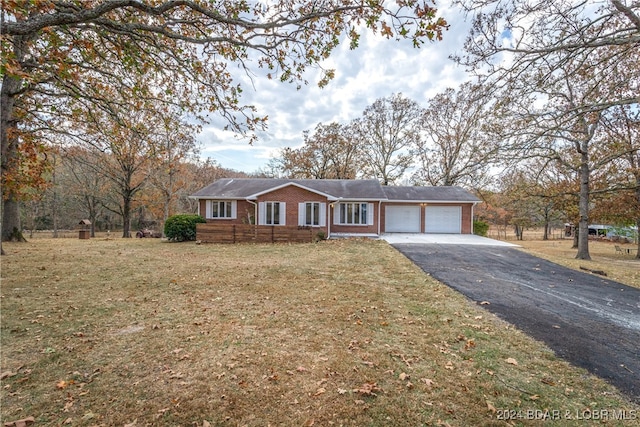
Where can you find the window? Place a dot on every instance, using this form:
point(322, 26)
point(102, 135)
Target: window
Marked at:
point(355, 213)
point(271, 213)
point(222, 209)
point(312, 214)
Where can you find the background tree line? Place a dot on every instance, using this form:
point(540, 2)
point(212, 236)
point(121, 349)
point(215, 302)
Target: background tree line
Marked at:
point(554, 105)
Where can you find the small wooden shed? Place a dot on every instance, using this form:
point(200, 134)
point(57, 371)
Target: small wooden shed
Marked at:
point(84, 232)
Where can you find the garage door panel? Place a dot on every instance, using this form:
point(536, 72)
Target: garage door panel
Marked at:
point(402, 219)
point(443, 219)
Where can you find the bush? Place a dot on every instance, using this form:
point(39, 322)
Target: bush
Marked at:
point(180, 228)
point(480, 228)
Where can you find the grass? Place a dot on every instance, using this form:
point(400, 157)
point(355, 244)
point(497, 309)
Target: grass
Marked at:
point(622, 268)
point(141, 332)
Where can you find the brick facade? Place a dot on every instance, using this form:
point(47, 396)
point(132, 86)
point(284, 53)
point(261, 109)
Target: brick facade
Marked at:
point(292, 195)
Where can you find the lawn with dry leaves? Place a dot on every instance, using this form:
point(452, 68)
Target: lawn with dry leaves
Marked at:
point(143, 332)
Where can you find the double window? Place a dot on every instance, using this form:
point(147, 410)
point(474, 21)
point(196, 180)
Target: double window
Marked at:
point(221, 209)
point(312, 214)
point(272, 213)
point(354, 214)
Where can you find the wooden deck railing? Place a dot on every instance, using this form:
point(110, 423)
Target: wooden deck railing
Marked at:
point(241, 233)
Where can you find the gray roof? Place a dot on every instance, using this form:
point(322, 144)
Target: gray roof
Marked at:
point(349, 189)
point(429, 194)
point(243, 188)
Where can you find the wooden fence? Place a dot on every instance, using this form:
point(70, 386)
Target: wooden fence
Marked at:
point(241, 233)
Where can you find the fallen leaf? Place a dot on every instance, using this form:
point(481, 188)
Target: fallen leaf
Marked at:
point(7, 374)
point(206, 423)
point(341, 391)
point(534, 397)
point(427, 381)
point(491, 408)
point(512, 361)
point(20, 423)
point(132, 423)
point(449, 366)
point(403, 376)
point(62, 385)
point(368, 389)
point(319, 392)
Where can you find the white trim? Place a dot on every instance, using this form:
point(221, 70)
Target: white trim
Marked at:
point(302, 217)
point(287, 184)
point(323, 214)
point(262, 213)
point(209, 208)
point(370, 214)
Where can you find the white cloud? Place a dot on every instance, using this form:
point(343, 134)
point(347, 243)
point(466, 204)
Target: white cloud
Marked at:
point(376, 69)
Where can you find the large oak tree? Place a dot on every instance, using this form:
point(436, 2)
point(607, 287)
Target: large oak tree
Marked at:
point(562, 66)
point(60, 56)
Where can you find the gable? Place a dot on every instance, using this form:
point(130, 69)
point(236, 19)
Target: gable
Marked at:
point(333, 190)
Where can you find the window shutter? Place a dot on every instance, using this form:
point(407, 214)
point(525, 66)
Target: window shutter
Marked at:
point(234, 209)
point(208, 208)
point(262, 213)
point(369, 213)
point(336, 213)
point(283, 213)
point(323, 214)
point(301, 214)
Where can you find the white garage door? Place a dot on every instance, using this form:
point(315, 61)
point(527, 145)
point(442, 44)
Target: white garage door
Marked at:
point(443, 219)
point(402, 219)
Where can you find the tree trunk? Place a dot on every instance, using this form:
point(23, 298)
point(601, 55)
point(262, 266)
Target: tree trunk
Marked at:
point(11, 229)
point(547, 229)
point(583, 209)
point(575, 237)
point(126, 216)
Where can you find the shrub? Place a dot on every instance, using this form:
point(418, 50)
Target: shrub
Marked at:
point(480, 228)
point(180, 228)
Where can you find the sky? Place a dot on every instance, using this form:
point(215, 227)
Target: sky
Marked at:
point(377, 69)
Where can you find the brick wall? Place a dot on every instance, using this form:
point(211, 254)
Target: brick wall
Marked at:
point(292, 196)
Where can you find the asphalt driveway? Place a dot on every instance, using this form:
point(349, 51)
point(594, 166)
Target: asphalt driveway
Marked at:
point(586, 319)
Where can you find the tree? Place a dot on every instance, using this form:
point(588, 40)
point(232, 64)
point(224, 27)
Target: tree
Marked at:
point(387, 131)
point(331, 152)
point(87, 188)
point(622, 129)
point(175, 142)
point(561, 65)
point(58, 56)
point(458, 147)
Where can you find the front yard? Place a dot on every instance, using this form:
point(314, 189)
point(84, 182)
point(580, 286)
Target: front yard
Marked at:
point(142, 332)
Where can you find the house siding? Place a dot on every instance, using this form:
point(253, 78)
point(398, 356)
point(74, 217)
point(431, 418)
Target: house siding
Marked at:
point(292, 196)
point(244, 212)
point(355, 229)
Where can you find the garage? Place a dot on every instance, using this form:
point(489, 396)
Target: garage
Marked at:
point(443, 219)
point(402, 219)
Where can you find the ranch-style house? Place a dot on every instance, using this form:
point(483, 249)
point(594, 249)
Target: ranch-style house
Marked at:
point(338, 208)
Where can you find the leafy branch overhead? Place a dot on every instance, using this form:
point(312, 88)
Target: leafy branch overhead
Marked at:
point(64, 63)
